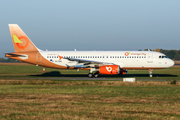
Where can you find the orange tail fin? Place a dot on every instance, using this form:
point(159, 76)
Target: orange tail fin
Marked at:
point(20, 40)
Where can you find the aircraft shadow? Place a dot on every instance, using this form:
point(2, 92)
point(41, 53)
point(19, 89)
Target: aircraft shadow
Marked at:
point(58, 74)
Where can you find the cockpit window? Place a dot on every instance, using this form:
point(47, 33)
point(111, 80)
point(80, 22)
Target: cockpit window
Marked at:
point(163, 57)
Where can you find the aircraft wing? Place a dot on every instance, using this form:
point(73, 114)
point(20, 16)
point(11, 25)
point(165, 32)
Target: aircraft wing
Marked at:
point(81, 63)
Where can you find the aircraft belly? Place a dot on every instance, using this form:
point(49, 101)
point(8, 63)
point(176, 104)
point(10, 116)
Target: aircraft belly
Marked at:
point(135, 64)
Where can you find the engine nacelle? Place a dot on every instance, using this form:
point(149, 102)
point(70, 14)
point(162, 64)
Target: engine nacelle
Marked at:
point(109, 69)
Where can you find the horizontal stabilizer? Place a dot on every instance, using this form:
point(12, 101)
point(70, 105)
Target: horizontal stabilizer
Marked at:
point(14, 55)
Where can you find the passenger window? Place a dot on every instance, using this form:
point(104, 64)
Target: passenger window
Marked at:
point(159, 56)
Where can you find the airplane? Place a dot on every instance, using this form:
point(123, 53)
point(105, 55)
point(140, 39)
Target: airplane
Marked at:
point(97, 62)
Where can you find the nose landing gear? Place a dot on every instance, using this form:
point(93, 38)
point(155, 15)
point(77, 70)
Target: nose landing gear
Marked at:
point(150, 72)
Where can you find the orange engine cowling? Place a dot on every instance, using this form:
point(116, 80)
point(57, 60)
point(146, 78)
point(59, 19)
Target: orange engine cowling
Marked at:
point(109, 69)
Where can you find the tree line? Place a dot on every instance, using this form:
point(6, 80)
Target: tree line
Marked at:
point(4, 60)
point(172, 54)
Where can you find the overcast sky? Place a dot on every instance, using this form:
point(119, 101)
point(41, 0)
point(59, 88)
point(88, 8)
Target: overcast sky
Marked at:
point(93, 24)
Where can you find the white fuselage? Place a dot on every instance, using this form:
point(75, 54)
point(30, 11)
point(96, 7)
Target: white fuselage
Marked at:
point(126, 60)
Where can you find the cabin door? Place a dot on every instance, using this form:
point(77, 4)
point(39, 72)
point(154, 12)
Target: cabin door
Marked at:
point(39, 58)
point(150, 58)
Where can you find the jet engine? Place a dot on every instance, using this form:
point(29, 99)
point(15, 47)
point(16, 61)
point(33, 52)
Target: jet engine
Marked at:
point(109, 69)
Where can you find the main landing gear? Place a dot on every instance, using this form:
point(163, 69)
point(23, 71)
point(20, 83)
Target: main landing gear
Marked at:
point(91, 74)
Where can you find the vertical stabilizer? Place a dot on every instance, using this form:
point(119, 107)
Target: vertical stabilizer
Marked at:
point(20, 40)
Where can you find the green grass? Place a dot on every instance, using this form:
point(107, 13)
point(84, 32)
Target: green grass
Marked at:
point(79, 99)
point(93, 100)
point(12, 71)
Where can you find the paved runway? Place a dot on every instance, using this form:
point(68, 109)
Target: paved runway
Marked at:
point(80, 78)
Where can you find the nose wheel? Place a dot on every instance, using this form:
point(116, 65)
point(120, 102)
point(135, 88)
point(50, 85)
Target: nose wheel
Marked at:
point(150, 72)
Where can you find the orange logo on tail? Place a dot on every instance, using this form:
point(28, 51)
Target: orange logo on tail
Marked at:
point(19, 42)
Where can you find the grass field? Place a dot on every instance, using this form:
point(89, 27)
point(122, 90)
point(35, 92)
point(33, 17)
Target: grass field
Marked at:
point(64, 99)
point(27, 70)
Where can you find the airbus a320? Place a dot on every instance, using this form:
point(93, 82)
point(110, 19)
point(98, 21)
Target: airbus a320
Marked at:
point(97, 62)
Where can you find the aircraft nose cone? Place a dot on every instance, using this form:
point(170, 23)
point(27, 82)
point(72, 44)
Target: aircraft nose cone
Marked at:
point(171, 63)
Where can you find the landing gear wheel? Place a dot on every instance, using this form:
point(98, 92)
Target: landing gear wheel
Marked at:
point(96, 75)
point(90, 75)
point(150, 72)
